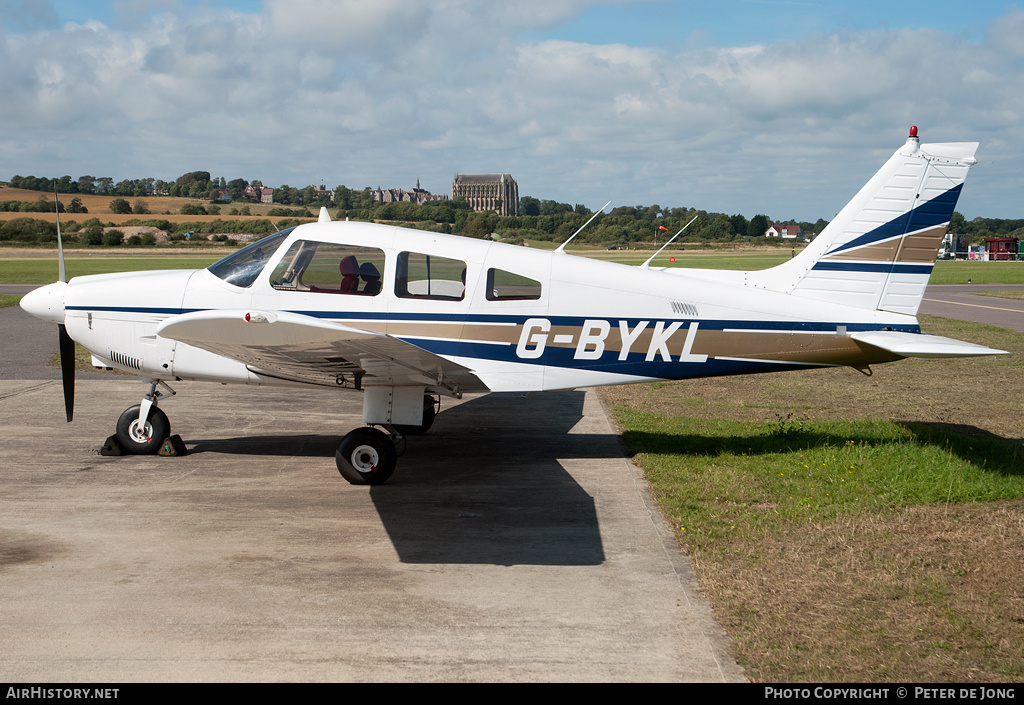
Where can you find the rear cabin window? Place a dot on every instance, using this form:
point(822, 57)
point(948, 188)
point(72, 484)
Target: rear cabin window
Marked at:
point(330, 268)
point(509, 286)
point(421, 276)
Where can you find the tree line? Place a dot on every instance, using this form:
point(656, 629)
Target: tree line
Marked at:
point(538, 219)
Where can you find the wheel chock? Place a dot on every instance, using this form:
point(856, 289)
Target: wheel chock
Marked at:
point(173, 447)
point(111, 446)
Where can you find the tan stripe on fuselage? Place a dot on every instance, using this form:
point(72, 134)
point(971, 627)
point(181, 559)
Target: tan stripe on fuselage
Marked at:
point(779, 346)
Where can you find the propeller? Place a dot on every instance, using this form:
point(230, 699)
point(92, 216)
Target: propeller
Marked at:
point(66, 345)
point(67, 369)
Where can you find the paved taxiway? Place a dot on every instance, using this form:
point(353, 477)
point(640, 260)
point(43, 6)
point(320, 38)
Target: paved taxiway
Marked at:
point(960, 301)
point(514, 543)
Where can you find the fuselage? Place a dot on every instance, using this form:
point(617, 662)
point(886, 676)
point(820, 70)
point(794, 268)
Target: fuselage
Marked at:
point(523, 320)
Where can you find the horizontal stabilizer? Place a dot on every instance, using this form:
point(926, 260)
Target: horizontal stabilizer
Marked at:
point(920, 345)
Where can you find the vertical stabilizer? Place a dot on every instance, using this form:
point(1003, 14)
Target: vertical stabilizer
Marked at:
point(879, 251)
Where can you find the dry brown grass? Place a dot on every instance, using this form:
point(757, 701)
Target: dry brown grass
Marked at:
point(164, 207)
point(926, 594)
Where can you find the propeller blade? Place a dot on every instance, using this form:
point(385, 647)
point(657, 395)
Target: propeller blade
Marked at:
point(67, 369)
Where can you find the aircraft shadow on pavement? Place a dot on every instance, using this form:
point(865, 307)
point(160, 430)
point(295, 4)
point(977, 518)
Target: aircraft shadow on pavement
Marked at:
point(484, 486)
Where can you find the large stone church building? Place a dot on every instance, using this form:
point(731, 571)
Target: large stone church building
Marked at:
point(488, 192)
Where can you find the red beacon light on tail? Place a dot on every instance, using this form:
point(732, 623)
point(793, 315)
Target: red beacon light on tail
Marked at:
point(913, 131)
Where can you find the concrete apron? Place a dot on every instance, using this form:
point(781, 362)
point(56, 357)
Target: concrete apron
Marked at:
point(514, 543)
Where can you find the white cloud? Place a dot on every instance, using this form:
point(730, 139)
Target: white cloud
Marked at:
point(380, 93)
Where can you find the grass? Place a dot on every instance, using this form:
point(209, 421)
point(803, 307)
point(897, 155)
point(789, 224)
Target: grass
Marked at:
point(44, 270)
point(1019, 295)
point(959, 271)
point(8, 300)
point(849, 528)
point(722, 478)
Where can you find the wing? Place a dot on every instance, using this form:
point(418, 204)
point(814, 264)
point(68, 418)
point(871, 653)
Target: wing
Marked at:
point(920, 345)
point(305, 349)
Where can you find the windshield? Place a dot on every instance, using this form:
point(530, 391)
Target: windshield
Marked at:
point(242, 267)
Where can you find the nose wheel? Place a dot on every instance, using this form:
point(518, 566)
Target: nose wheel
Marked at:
point(142, 438)
point(143, 428)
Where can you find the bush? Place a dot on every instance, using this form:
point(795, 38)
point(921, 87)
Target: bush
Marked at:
point(119, 205)
point(113, 238)
point(91, 236)
point(28, 230)
point(148, 239)
point(134, 241)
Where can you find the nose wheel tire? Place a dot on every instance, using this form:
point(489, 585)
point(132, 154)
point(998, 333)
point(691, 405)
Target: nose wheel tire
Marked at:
point(366, 456)
point(142, 439)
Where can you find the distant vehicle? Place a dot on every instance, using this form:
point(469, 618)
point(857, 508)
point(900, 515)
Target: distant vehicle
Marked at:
point(953, 247)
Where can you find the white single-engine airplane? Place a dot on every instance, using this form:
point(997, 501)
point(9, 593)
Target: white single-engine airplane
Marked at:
point(406, 316)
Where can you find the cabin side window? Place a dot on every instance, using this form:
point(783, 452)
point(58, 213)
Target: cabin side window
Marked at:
point(330, 268)
point(509, 286)
point(421, 276)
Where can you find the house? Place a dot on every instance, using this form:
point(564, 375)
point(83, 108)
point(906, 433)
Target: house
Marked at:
point(785, 231)
point(259, 193)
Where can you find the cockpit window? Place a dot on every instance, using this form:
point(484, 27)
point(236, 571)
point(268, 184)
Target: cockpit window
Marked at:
point(242, 267)
point(330, 268)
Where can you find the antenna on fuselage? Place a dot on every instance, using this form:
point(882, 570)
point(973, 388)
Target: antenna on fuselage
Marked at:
point(561, 248)
point(647, 264)
point(61, 275)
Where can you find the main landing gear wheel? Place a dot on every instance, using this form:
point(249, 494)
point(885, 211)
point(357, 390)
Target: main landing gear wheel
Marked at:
point(146, 439)
point(365, 456)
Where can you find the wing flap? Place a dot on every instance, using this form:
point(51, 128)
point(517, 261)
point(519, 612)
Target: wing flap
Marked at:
point(311, 350)
point(921, 345)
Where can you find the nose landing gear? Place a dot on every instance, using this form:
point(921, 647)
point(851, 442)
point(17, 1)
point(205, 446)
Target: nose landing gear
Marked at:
point(143, 428)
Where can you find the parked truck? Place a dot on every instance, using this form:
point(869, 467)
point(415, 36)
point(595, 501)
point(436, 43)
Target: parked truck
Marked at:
point(953, 247)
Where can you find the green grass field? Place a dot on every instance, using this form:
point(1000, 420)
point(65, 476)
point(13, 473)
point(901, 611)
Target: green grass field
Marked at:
point(44, 270)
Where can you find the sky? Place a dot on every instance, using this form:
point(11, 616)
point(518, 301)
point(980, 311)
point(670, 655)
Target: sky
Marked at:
point(780, 107)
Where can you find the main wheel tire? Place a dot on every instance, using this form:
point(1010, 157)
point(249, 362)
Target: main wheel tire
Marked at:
point(366, 456)
point(146, 439)
point(429, 414)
